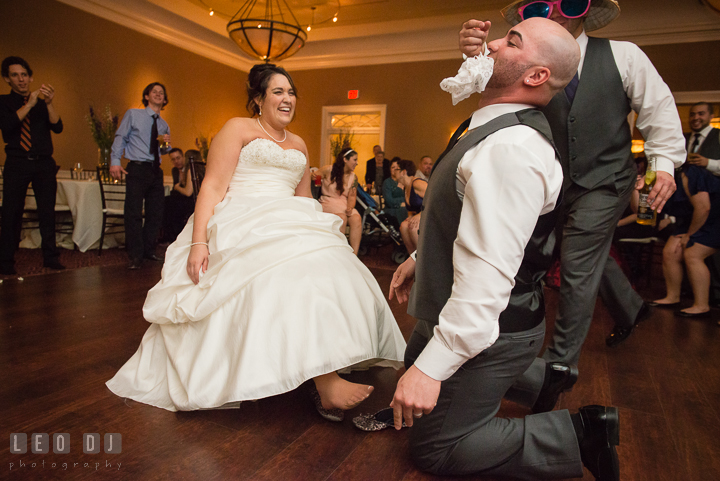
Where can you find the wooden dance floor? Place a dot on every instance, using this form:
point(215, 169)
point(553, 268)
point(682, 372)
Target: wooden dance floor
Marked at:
point(63, 335)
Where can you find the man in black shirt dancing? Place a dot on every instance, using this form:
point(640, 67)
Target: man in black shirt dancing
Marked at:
point(26, 120)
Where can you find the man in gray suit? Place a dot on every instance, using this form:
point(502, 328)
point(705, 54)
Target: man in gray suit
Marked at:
point(486, 241)
point(590, 128)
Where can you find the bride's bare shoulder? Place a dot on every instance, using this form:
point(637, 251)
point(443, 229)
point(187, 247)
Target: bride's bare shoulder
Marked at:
point(239, 123)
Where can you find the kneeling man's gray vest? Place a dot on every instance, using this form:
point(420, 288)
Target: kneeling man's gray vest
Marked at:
point(439, 227)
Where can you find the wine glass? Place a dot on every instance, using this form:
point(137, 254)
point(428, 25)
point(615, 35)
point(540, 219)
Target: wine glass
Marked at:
point(78, 170)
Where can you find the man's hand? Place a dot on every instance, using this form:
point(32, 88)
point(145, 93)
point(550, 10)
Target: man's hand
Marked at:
point(402, 281)
point(166, 138)
point(662, 190)
point(697, 159)
point(416, 394)
point(116, 171)
point(473, 36)
point(33, 98)
point(49, 92)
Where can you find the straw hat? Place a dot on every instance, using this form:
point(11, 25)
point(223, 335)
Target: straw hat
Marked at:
point(601, 13)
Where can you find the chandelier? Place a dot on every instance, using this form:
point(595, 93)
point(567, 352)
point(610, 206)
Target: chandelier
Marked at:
point(266, 30)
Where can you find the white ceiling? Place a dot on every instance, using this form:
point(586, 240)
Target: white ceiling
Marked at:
point(372, 32)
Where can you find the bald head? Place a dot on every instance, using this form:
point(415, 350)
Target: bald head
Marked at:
point(552, 47)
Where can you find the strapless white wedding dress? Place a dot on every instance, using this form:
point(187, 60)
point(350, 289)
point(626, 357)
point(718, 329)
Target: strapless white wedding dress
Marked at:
point(283, 300)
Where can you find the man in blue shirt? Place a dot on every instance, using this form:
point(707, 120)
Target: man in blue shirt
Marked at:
point(137, 137)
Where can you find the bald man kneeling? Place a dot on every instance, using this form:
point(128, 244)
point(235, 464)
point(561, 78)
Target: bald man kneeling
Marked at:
point(486, 240)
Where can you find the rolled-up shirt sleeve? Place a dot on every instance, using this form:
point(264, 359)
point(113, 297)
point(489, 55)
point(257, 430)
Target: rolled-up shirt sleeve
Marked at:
point(508, 183)
point(658, 119)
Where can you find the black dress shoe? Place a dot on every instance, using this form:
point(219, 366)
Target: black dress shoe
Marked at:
point(598, 432)
point(559, 377)
point(693, 315)
point(7, 271)
point(134, 264)
point(155, 257)
point(672, 305)
point(619, 333)
point(54, 264)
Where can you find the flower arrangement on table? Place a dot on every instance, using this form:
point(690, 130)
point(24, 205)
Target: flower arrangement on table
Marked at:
point(102, 128)
point(202, 142)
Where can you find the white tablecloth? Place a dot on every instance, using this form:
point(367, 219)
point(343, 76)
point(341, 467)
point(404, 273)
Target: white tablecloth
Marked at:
point(82, 197)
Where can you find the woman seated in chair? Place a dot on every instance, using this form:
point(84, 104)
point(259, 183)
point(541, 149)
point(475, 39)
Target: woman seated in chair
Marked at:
point(180, 204)
point(394, 195)
point(339, 194)
point(696, 237)
point(414, 193)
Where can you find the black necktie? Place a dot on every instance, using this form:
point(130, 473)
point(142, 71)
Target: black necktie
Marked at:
point(572, 87)
point(154, 144)
point(695, 143)
point(453, 140)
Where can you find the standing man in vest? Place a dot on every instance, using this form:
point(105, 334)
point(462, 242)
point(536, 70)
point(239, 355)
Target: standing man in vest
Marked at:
point(704, 141)
point(590, 128)
point(487, 236)
point(26, 120)
point(137, 137)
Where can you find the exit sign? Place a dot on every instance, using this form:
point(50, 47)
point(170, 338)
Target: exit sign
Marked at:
point(353, 94)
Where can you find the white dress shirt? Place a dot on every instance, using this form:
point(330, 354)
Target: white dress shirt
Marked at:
point(505, 182)
point(650, 97)
point(713, 164)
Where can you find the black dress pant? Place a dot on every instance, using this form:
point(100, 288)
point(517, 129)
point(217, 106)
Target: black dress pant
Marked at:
point(144, 184)
point(18, 174)
point(178, 209)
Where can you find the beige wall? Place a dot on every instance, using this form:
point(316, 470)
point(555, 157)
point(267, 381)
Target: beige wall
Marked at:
point(91, 61)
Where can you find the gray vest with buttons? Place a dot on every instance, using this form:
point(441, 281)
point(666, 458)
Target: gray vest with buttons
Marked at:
point(710, 147)
point(434, 271)
point(593, 135)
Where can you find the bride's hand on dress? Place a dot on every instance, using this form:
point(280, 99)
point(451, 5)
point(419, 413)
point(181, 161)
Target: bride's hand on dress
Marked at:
point(402, 281)
point(197, 261)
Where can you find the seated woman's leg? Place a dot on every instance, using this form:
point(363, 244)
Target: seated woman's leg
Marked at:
point(407, 239)
point(699, 276)
point(355, 222)
point(336, 392)
point(672, 270)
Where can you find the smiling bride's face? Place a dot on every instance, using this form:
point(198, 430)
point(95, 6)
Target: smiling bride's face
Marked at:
point(278, 106)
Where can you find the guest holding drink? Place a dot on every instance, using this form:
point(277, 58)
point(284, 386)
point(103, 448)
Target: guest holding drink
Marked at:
point(339, 193)
point(137, 137)
point(26, 120)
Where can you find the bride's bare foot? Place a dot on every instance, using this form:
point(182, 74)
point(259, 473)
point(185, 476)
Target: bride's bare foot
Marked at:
point(337, 393)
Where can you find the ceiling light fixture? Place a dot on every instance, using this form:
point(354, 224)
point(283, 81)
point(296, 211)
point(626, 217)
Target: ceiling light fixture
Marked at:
point(268, 32)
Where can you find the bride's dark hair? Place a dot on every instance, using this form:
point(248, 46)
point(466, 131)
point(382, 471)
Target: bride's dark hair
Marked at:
point(338, 169)
point(258, 81)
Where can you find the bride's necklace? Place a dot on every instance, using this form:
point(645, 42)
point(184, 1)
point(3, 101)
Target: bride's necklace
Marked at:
point(276, 140)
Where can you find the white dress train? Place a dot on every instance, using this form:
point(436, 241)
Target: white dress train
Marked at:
point(283, 300)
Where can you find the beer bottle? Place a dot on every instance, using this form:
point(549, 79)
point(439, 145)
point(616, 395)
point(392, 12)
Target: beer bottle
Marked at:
point(646, 215)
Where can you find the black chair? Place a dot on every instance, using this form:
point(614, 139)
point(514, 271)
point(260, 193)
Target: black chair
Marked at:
point(197, 174)
point(112, 193)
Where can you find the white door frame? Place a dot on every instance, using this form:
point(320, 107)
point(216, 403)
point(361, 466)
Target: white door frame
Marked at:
point(329, 111)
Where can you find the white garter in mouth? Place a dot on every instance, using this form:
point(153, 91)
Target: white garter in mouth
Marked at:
point(472, 77)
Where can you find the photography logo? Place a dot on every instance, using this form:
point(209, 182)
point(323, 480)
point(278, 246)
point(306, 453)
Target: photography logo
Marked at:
point(40, 443)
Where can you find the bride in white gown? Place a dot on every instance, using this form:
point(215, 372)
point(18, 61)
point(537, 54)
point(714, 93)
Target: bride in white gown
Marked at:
point(260, 292)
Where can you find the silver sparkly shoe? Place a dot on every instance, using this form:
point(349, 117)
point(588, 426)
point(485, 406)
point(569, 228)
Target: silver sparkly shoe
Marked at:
point(335, 414)
point(382, 419)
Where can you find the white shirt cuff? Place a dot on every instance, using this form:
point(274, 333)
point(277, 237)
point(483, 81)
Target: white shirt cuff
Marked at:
point(437, 361)
point(665, 165)
point(713, 166)
point(413, 255)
